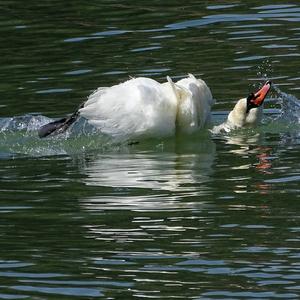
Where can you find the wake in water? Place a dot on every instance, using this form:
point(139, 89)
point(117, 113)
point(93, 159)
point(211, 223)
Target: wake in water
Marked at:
point(19, 134)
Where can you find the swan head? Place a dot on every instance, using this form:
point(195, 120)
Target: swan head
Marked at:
point(255, 100)
point(248, 111)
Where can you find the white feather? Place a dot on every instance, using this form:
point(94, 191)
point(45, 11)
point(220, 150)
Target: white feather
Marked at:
point(144, 107)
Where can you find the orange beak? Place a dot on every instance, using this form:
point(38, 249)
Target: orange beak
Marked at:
point(261, 94)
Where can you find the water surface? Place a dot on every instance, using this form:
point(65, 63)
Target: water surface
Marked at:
point(188, 217)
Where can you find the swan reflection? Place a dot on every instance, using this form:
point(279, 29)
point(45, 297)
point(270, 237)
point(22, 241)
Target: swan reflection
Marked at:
point(184, 169)
point(151, 180)
point(251, 156)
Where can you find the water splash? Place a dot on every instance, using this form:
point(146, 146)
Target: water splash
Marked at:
point(289, 104)
point(19, 137)
point(26, 123)
point(290, 107)
point(265, 70)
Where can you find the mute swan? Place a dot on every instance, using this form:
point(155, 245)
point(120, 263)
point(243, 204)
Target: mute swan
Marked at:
point(246, 112)
point(143, 107)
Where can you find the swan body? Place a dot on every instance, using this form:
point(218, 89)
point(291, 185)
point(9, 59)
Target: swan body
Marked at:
point(144, 107)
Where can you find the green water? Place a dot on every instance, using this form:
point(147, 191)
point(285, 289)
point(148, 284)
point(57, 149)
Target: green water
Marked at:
point(188, 217)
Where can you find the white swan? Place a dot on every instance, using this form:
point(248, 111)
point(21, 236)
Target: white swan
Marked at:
point(247, 112)
point(144, 107)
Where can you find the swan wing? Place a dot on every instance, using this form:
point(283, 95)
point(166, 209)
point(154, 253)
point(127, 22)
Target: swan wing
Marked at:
point(136, 107)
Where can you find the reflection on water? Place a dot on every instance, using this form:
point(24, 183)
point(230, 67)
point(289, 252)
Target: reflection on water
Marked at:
point(192, 217)
point(166, 171)
point(169, 176)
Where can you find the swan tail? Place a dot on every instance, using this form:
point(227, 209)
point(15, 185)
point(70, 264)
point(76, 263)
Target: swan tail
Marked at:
point(59, 126)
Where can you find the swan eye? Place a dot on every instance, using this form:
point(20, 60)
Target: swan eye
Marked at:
point(251, 97)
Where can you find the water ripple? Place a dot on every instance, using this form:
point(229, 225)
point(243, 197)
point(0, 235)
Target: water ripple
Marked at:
point(190, 217)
